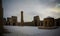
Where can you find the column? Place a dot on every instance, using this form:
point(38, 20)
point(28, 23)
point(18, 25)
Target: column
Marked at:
point(1, 18)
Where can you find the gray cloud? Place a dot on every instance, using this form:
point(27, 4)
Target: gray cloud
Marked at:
point(57, 1)
point(30, 8)
point(50, 3)
point(56, 15)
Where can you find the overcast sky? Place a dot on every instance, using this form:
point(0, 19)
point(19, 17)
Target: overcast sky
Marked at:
point(31, 8)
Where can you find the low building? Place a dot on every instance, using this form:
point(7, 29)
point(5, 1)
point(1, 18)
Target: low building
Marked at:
point(41, 23)
point(57, 22)
point(48, 22)
point(4, 21)
point(12, 20)
point(9, 21)
point(28, 24)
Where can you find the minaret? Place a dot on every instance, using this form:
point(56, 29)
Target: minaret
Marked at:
point(22, 21)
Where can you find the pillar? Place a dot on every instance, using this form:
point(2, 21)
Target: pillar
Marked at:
point(1, 18)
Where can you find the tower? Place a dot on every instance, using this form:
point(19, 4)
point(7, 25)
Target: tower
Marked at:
point(22, 21)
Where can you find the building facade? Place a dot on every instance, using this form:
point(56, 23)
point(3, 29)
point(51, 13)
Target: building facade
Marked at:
point(36, 21)
point(4, 21)
point(57, 22)
point(9, 21)
point(48, 22)
point(14, 20)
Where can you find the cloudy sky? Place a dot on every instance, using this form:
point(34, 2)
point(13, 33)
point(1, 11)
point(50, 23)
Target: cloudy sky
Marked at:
point(31, 8)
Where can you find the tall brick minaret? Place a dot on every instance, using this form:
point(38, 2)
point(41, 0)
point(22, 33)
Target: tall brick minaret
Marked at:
point(1, 18)
point(22, 21)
